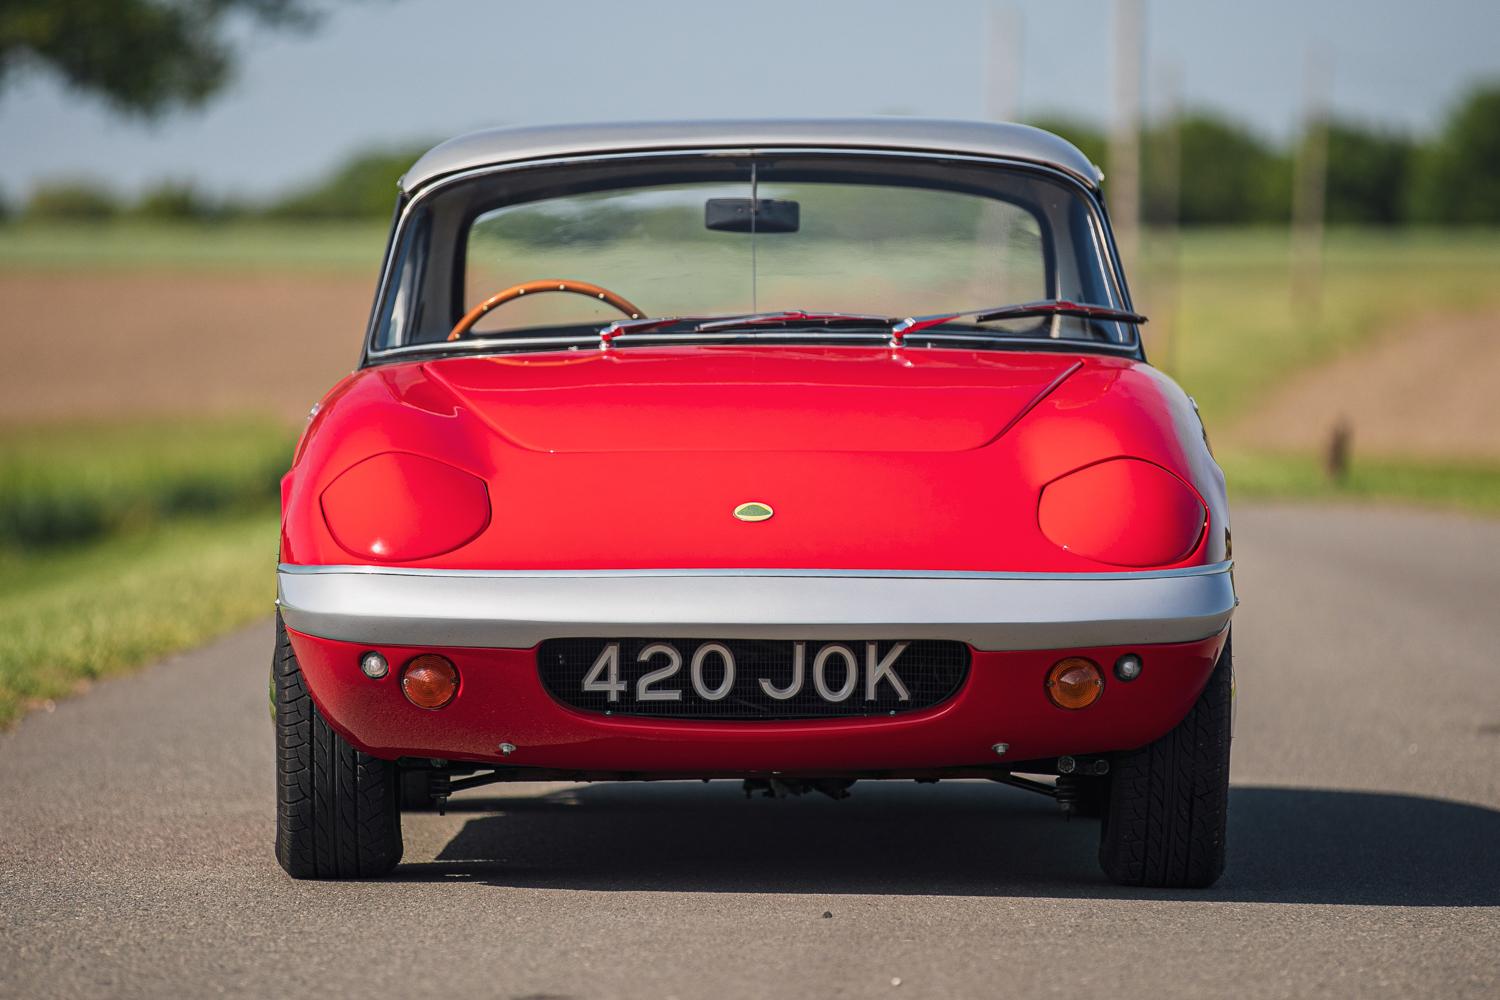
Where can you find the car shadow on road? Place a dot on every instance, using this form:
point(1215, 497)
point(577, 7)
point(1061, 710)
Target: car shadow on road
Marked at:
point(1287, 845)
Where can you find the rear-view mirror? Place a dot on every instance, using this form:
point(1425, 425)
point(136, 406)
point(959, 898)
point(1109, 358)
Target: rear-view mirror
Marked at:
point(745, 215)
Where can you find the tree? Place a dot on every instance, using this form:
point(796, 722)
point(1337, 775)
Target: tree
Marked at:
point(141, 56)
point(1458, 176)
point(72, 201)
point(363, 187)
point(175, 201)
point(1228, 175)
point(1368, 175)
point(1090, 140)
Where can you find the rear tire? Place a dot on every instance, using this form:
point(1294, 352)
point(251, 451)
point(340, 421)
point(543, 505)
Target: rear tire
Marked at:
point(1165, 818)
point(337, 809)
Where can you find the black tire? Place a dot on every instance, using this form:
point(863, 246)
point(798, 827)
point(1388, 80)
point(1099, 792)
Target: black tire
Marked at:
point(1164, 821)
point(337, 809)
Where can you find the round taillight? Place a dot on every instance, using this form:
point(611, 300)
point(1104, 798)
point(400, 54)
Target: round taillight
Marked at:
point(430, 681)
point(1074, 683)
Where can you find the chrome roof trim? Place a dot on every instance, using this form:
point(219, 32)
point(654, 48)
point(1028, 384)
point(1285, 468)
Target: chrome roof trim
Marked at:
point(1005, 140)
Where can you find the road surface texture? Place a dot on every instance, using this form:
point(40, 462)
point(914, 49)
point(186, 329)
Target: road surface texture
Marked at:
point(136, 823)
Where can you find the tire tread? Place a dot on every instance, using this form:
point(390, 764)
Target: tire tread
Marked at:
point(1168, 806)
point(337, 813)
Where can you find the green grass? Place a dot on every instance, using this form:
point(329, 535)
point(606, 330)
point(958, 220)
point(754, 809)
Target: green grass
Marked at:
point(1464, 486)
point(120, 544)
point(74, 615)
point(67, 484)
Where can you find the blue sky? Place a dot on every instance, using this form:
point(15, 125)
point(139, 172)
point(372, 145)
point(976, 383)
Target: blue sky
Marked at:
point(386, 71)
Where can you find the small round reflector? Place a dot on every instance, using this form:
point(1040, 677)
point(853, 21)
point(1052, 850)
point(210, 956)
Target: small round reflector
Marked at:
point(1128, 667)
point(1074, 683)
point(429, 681)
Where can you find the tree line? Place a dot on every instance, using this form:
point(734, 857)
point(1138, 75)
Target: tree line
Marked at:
point(363, 187)
point(1227, 175)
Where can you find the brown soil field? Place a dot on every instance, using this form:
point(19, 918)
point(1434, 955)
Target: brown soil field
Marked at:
point(101, 345)
point(1428, 389)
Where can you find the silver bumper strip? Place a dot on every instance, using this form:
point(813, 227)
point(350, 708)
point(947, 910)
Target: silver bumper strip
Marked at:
point(990, 611)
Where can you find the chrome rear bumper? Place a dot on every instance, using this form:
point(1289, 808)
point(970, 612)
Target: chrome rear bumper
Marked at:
point(989, 611)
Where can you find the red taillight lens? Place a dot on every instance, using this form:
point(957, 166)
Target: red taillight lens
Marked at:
point(397, 506)
point(1123, 511)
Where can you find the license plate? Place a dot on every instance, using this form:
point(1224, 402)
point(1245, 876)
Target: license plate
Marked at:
point(740, 678)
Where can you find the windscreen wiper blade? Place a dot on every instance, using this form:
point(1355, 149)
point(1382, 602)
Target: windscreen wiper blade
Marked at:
point(794, 318)
point(896, 329)
point(717, 324)
point(1020, 310)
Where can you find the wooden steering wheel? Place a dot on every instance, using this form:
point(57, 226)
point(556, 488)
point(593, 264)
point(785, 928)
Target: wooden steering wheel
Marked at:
point(514, 292)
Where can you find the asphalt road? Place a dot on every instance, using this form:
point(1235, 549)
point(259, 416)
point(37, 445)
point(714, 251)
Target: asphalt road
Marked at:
point(136, 823)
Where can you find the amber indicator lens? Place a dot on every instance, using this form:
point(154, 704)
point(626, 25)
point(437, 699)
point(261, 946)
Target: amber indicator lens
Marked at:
point(429, 681)
point(1074, 683)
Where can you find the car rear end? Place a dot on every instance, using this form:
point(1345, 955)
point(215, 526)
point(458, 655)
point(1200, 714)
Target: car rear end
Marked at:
point(797, 549)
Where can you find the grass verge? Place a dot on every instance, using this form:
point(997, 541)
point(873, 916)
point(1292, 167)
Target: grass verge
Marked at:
point(1472, 487)
point(123, 543)
point(70, 616)
point(69, 484)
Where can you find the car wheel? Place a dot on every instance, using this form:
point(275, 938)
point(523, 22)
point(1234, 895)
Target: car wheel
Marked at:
point(337, 810)
point(1164, 820)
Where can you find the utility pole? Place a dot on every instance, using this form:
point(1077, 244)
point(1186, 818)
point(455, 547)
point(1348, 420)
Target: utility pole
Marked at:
point(1002, 103)
point(1124, 177)
point(1002, 67)
point(1166, 223)
point(1309, 191)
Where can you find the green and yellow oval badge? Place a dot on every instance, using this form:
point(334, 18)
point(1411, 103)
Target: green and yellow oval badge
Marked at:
point(754, 510)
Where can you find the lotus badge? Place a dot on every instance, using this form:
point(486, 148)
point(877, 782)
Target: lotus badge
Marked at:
point(754, 510)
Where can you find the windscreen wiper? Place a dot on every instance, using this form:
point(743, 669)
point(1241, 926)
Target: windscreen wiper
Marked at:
point(625, 326)
point(787, 318)
point(1021, 310)
point(795, 318)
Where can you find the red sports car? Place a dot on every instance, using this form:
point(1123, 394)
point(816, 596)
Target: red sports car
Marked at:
point(790, 452)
